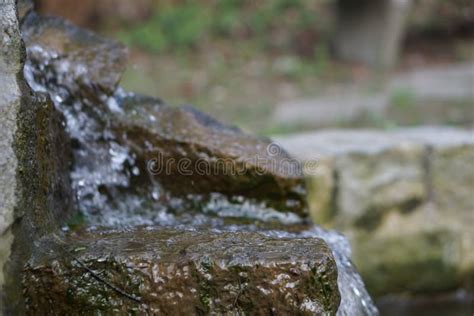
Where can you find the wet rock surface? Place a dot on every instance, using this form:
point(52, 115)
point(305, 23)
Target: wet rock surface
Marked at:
point(83, 62)
point(189, 152)
point(35, 191)
point(116, 135)
point(44, 199)
point(11, 59)
point(170, 272)
point(80, 71)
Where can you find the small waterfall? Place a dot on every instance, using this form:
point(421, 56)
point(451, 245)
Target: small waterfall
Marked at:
point(104, 169)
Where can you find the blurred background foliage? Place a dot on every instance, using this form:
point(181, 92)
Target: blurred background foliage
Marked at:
point(242, 60)
point(281, 25)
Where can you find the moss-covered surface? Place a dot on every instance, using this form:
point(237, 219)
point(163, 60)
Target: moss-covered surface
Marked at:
point(176, 272)
point(45, 199)
point(38, 170)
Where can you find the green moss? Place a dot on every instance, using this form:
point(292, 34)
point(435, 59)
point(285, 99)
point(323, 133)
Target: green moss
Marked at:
point(323, 283)
point(403, 99)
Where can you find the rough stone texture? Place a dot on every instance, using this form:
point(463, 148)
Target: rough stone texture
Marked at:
point(453, 193)
point(175, 272)
point(148, 270)
point(218, 158)
point(83, 61)
point(24, 7)
point(11, 59)
point(44, 199)
point(407, 190)
point(421, 252)
point(118, 134)
point(451, 187)
point(320, 184)
point(34, 184)
point(369, 185)
point(11, 99)
point(80, 70)
point(364, 173)
point(451, 152)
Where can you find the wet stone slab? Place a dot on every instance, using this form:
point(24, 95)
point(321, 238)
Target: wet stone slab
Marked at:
point(174, 272)
point(80, 60)
point(190, 152)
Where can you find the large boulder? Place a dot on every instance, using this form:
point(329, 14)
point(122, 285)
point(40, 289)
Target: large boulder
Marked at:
point(358, 176)
point(404, 196)
point(182, 272)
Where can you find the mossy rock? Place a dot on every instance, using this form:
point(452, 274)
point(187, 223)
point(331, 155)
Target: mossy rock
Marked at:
point(173, 272)
point(219, 158)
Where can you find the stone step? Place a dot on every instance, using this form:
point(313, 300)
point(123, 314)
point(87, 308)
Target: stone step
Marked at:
point(409, 190)
point(171, 272)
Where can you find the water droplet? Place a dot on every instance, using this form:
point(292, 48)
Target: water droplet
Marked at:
point(135, 171)
point(155, 195)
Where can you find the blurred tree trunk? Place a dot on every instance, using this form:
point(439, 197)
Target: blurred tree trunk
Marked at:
point(370, 31)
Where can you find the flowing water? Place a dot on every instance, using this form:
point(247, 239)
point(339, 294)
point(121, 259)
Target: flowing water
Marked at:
point(104, 169)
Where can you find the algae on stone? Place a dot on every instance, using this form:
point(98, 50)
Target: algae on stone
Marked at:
point(184, 272)
point(35, 190)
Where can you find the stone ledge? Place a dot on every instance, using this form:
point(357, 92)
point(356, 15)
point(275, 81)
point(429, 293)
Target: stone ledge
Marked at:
point(181, 272)
point(412, 181)
point(359, 171)
point(334, 142)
